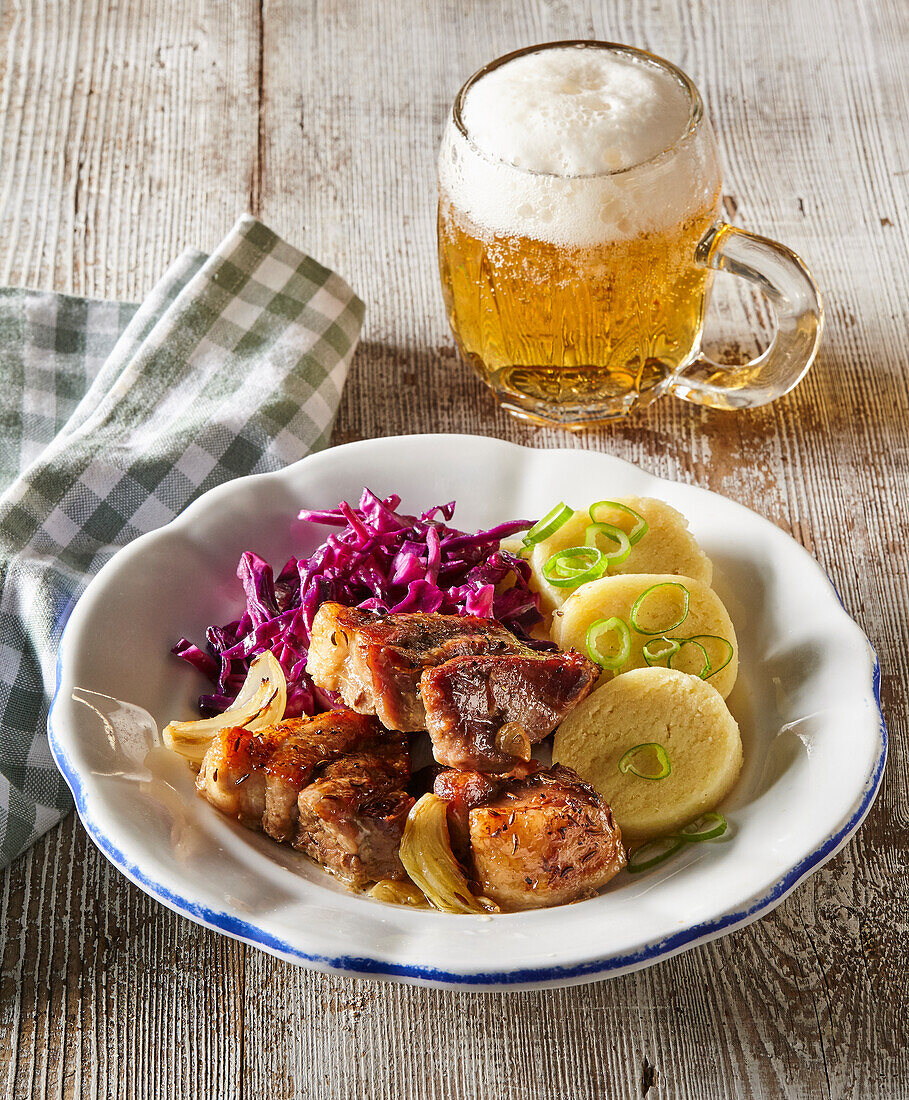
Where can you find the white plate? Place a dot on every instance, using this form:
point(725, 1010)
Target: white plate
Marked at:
point(806, 700)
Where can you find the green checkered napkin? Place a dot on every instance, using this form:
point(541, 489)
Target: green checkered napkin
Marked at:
point(113, 418)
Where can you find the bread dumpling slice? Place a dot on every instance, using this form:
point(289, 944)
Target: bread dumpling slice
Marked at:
point(685, 717)
point(661, 612)
point(666, 547)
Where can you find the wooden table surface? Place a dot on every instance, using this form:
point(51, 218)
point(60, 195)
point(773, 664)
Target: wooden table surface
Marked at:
point(133, 129)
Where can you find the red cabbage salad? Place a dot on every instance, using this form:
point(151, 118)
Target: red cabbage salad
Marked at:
point(376, 558)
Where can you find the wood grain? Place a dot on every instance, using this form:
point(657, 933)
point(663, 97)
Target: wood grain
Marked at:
point(132, 130)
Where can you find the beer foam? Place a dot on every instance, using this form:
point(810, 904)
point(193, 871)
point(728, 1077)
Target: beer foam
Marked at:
point(576, 111)
point(562, 143)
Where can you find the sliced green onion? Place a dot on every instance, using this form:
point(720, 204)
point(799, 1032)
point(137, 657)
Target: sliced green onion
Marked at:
point(571, 567)
point(707, 827)
point(629, 762)
point(705, 667)
point(622, 550)
point(728, 651)
point(653, 853)
point(667, 647)
point(637, 532)
point(596, 631)
point(636, 607)
point(549, 524)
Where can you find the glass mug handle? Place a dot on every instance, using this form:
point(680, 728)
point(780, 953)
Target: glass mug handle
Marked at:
point(780, 274)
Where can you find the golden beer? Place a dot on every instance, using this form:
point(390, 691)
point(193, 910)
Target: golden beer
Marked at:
point(567, 248)
point(571, 328)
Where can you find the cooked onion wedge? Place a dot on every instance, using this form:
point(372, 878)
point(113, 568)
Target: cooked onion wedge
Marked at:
point(512, 739)
point(398, 893)
point(260, 703)
point(428, 859)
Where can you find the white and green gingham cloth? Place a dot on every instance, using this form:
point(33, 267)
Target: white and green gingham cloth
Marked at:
point(113, 418)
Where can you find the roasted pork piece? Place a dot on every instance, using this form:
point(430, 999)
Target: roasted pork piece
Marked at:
point(534, 838)
point(462, 677)
point(375, 660)
point(483, 712)
point(333, 786)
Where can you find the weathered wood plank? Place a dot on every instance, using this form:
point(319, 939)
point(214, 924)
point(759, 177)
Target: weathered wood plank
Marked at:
point(133, 130)
point(129, 132)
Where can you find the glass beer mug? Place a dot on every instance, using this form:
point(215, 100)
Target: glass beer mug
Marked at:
point(579, 227)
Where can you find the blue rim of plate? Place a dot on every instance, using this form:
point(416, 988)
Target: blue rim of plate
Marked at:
point(362, 966)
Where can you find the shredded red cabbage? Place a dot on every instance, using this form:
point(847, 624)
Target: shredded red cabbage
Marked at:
point(379, 559)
